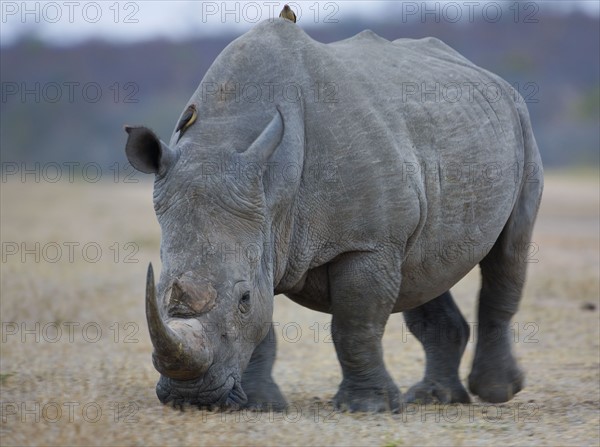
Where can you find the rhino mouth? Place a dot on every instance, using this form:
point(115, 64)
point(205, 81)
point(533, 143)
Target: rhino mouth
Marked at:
point(228, 395)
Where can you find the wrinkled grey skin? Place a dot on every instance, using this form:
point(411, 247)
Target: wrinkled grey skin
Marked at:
point(356, 198)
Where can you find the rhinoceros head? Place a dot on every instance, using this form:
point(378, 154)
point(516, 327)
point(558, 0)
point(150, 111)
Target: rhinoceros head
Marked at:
point(214, 301)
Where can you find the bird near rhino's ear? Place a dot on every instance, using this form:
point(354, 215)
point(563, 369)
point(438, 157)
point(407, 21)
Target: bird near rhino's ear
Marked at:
point(146, 152)
point(263, 147)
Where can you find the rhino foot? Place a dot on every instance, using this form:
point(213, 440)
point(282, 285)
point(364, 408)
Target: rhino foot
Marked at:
point(372, 400)
point(266, 397)
point(496, 385)
point(495, 376)
point(430, 391)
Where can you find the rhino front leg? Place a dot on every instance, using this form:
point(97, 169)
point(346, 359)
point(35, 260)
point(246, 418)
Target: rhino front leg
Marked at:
point(441, 328)
point(363, 288)
point(257, 382)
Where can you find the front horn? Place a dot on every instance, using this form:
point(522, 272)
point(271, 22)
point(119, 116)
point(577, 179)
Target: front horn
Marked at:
point(173, 356)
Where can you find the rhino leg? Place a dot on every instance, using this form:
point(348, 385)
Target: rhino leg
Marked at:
point(441, 328)
point(495, 375)
point(363, 293)
point(257, 382)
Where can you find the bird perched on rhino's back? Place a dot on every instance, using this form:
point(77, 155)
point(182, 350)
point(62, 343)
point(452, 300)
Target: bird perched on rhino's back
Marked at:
point(287, 13)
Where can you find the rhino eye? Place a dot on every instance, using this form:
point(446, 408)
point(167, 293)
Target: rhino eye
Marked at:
point(244, 304)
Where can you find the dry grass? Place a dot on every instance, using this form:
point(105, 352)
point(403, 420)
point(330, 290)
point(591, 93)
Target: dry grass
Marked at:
point(557, 340)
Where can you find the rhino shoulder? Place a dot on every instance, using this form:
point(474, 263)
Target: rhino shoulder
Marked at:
point(274, 30)
point(266, 45)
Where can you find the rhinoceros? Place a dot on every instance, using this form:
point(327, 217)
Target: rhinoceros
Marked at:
point(359, 178)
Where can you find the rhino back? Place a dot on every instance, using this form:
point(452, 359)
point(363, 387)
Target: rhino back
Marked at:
point(434, 170)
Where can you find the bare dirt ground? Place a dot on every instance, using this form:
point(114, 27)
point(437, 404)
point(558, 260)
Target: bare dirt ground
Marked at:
point(75, 354)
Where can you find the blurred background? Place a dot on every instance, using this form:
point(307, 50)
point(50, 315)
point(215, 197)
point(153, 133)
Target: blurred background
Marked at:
point(73, 73)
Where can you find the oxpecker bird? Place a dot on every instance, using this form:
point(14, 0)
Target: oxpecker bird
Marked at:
point(187, 119)
point(287, 13)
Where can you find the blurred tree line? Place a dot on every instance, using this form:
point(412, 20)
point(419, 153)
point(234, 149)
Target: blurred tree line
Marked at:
point(70, 103)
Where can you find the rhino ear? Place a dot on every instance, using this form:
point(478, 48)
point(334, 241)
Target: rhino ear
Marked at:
point(145, 151)
point(263, 147)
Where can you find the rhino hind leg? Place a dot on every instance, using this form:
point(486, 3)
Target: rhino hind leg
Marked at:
point(495, 375)
point(441, 328)
point(362, 297)
point(257, 382)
